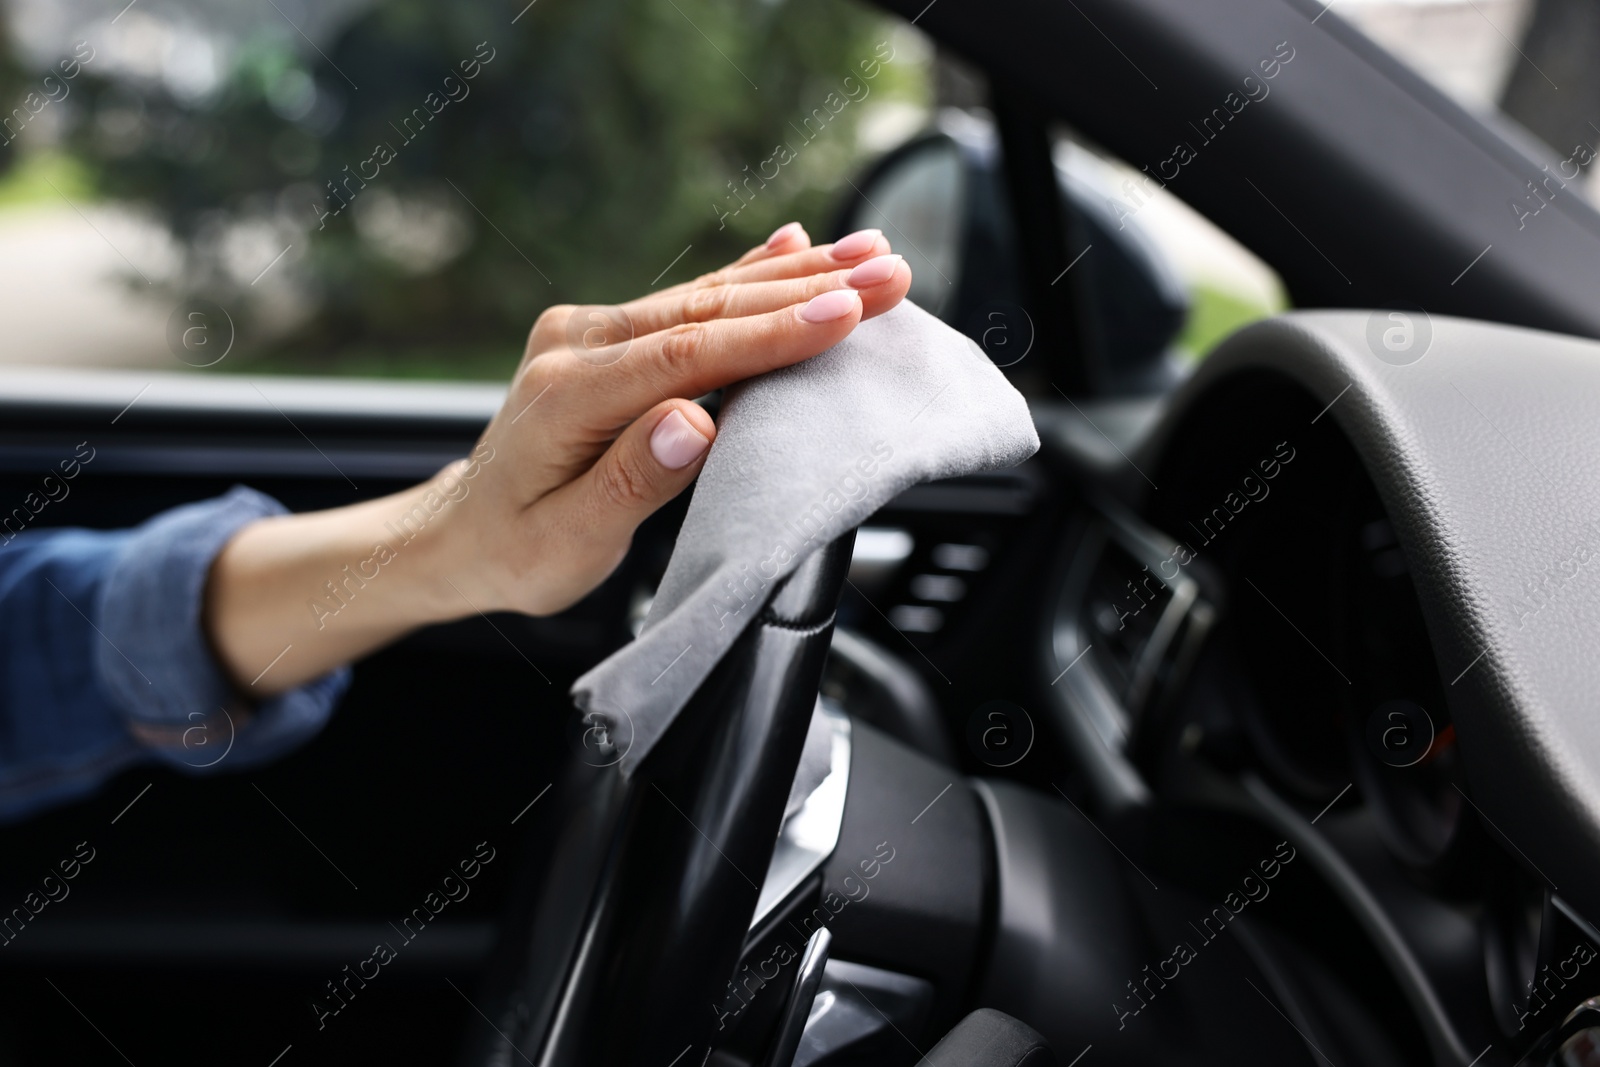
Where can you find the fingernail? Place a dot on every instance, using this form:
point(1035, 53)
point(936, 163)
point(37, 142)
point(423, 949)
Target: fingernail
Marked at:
point(783, 233)
point(874, 271)
point(835, 304)
point(855, 245)
point(675, 443)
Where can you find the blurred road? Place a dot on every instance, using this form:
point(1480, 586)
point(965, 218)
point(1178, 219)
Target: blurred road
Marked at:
point(68, 297)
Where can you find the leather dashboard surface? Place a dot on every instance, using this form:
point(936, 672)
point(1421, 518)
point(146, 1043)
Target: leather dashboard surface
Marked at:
point(1486, 454)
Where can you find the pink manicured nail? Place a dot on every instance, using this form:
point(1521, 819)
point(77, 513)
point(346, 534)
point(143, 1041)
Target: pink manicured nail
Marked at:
point(835, 304)
point(783, 233)
point(855, 245)
point(874, 271)
point(675, 443)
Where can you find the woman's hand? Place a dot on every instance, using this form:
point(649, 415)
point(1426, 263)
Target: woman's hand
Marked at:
point(599, 429)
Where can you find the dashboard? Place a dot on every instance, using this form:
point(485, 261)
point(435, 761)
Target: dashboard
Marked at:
point(1253, 625)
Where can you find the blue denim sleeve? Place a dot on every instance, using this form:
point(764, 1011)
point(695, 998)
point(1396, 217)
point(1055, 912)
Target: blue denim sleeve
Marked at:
point(104, 662)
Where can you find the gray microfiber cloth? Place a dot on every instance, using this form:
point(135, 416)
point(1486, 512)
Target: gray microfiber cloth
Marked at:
point(802, 455)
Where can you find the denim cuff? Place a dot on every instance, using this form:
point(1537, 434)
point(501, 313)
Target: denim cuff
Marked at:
point(156, 666)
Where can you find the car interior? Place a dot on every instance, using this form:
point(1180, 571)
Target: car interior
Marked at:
point(1244, 723)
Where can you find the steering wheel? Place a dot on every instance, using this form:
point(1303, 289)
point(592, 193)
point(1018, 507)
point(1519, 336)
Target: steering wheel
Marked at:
point(620, 954)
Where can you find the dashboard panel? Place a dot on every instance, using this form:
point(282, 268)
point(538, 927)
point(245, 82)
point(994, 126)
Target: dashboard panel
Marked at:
point(1284, 514)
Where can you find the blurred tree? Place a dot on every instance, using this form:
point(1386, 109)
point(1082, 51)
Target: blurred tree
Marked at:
point(16, 82)
point(595, 143)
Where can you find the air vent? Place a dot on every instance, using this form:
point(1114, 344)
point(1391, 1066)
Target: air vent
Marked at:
point(1123, 628)
point(1121, 613)
point(938, 588)
point(960, 557)
point(927, 567)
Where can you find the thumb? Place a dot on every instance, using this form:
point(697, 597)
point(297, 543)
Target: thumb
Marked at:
point(653, 460)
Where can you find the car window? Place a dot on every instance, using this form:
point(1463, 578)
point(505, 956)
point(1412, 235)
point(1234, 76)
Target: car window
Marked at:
point(1226, 284)
point(1161, 282)
point(1526, 66)
point(398, 187)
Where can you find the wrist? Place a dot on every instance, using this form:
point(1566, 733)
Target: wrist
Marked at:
point(462, 566)
point(429, 536)
point(306, 593)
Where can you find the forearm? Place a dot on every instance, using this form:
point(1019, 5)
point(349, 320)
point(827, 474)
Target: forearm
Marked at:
point(292, 597)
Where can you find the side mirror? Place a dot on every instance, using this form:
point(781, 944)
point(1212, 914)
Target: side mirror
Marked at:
point(941, 199)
